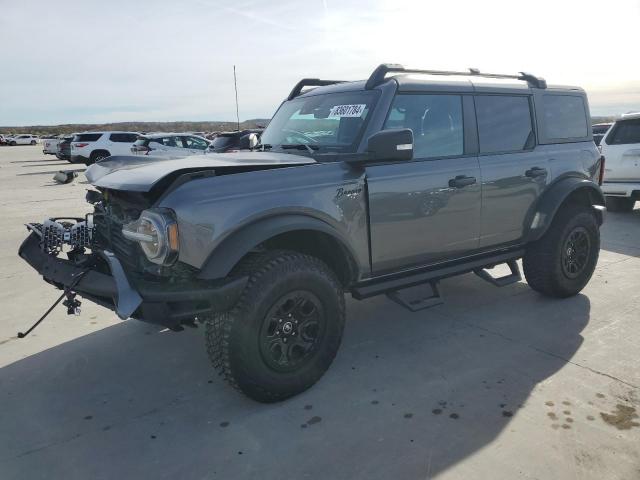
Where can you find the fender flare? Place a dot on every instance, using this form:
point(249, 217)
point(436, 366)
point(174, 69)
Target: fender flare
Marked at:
point(547, 206)
point(236, 245)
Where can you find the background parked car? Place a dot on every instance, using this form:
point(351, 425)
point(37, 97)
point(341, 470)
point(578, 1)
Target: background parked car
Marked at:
point(599, 130)
point(63, 149)
point(23, 139)
point(228, 141)
point(50, 145)
point(169, 144)
point(91, 147)
point(621, 150)
point(4, 138)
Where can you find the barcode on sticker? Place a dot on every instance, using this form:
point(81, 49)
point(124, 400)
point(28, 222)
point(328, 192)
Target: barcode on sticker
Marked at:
point(347, 110)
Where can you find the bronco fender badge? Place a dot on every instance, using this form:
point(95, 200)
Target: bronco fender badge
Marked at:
point(352, 192)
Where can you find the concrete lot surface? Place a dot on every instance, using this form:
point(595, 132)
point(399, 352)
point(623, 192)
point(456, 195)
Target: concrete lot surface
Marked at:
point(494, 384)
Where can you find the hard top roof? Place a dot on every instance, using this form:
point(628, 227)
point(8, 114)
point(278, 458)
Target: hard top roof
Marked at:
point(432, 80)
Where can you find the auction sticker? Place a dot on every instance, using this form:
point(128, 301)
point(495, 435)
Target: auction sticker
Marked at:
point(355, 110)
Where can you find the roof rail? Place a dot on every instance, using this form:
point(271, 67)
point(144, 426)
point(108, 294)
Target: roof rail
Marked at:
point(379, 74)
point(310, 82)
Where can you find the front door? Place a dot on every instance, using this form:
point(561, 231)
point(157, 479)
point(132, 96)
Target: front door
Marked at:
point(426, 210)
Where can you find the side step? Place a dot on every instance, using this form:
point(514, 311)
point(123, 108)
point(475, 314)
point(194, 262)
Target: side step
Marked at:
point(513, 277)
point(418, 303)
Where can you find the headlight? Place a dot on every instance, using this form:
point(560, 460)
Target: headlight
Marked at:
point(157, 233)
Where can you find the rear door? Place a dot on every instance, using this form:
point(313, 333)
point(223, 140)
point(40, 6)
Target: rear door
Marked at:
point(426, 210)
point(621, 150)
point(513, 173)
point(121, 143)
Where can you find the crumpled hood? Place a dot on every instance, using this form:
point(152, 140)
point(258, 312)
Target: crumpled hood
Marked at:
point(140, 173)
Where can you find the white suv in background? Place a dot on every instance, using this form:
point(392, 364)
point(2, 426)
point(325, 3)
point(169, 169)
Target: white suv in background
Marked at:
point(621, 150)
point(23, 139)
point(90, 147)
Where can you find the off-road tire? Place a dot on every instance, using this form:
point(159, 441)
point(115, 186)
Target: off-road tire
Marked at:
point(233, 338)
point(620, 204)
point(543, 260)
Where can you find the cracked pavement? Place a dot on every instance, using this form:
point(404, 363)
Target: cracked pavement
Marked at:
point(495, 383)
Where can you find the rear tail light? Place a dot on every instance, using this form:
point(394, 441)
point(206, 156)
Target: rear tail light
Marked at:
point(601, 172)
point(80, 145)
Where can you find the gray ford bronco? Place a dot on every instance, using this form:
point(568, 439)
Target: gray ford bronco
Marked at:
point(365, 187)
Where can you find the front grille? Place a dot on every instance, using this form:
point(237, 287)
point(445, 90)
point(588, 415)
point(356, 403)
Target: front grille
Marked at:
point(109, 234)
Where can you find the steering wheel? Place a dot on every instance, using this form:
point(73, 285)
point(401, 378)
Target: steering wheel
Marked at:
point(295, 133)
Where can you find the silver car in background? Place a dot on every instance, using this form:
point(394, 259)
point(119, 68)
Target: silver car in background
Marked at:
point(169, 144)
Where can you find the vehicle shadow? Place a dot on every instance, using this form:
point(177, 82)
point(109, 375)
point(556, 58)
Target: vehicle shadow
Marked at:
point(50, 172)
point(409, 395)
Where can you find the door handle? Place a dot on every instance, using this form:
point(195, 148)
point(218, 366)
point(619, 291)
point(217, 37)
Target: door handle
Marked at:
point(461, 181)
point(536, 172)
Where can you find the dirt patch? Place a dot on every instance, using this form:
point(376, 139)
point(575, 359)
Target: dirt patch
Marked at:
point(623, 418)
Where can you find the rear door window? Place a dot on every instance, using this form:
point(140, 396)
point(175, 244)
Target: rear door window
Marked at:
point(87, 137)
point(504, 123)
point(123, 137)
point(436, 122)
point(195, 143)
point(625, 132)
point(564, 117)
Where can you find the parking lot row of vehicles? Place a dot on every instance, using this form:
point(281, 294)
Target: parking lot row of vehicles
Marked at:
point(91, 147)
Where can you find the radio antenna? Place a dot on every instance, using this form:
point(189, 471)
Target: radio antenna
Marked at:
point(235, 84)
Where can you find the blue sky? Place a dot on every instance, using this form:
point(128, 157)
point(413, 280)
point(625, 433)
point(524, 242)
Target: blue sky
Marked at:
point(94, 61)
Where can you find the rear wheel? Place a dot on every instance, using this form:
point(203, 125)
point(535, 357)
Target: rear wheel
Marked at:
point(561, 263)
point(620, 204)
point(97, 156)
point(284, 332)
point(33, 142)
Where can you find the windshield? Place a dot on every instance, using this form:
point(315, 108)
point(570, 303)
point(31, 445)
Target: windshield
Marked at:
point(330, 122)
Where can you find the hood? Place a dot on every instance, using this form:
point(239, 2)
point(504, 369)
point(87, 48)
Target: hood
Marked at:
point(140, 173)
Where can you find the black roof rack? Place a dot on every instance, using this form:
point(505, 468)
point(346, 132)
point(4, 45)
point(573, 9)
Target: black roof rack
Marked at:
point(379, 74)
point(310, 82)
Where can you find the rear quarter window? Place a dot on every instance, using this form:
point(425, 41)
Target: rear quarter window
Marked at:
point(564, 117)
point(625, 132)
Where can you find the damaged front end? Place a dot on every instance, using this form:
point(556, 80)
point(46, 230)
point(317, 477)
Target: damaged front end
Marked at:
point(124, 257)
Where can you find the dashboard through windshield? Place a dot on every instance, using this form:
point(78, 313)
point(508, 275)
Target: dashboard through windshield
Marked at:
point(331, 122)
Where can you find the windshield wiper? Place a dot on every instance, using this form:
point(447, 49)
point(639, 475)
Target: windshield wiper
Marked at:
point(263, 146)
point(300, 146)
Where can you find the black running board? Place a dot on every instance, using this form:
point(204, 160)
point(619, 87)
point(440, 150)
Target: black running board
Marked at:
point(419, 303)
point(395, 282)
point(513, 277)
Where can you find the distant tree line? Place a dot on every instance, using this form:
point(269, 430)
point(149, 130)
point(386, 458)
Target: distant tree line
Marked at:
point(136, 127)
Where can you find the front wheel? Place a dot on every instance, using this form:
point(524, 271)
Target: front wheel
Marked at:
point(561, 263)
point(620, 204)
point(285, 330)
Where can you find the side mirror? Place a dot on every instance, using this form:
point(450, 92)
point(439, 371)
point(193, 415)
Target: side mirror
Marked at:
point(248, 141)
point(391, 145)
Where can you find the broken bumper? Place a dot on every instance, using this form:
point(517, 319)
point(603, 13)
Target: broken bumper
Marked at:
point(153, 302)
